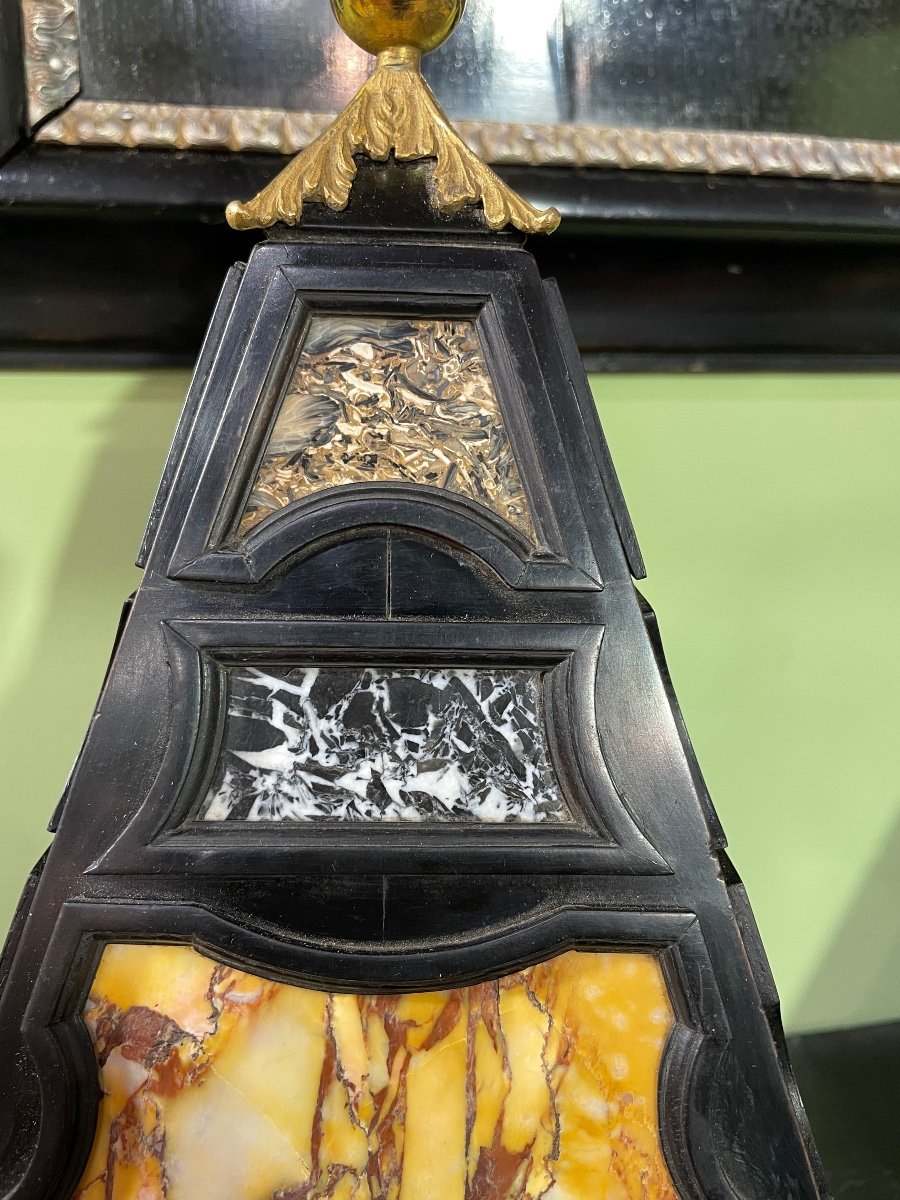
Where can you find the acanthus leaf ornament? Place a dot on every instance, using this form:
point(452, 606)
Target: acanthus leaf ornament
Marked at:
point(394, 112)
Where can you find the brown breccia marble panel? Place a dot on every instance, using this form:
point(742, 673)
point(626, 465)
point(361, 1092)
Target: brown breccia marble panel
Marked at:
point(216, 1083)
point(376, 399)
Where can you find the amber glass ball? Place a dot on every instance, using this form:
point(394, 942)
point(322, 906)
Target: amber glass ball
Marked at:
point(378, 25)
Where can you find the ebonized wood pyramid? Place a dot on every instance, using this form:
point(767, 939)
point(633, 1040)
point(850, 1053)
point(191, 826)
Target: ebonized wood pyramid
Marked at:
point(388, 720)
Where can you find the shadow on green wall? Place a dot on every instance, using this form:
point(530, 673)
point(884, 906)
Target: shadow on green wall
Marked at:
point(862, 961)
point(47, 707)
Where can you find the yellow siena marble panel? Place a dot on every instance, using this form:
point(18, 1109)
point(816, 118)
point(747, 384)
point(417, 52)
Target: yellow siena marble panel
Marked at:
point(378, 399)
point(216, 1083)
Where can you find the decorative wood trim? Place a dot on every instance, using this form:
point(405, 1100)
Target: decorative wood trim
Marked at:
point(703, 151)
point(52, 59)
point(601, 834)
point(560, 559)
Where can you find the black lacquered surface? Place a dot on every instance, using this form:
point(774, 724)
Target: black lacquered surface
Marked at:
point(658, 272)
point(850, 1079)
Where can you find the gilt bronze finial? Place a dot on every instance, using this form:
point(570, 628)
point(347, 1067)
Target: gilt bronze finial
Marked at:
point(394, 111)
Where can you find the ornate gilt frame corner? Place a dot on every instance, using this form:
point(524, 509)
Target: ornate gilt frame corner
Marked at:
point(52, 56)
point(700, 151)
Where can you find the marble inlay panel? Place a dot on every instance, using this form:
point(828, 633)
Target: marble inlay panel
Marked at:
point(384, 744)
point(376, 399)
point(216, 1083)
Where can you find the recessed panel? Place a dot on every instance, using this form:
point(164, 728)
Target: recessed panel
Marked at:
point(389, 400)
point(217, 1083)
point(367, 743)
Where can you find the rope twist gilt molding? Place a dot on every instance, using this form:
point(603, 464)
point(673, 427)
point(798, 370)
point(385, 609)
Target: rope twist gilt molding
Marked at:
point(52, 59)
point(701, 151)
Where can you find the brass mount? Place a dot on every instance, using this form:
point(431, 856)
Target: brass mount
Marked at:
point(396, 112)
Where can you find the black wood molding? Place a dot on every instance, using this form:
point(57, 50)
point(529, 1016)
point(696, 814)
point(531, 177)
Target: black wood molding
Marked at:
point(116, 257)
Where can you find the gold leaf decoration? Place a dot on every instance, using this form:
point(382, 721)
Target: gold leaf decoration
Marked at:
point(394, 111)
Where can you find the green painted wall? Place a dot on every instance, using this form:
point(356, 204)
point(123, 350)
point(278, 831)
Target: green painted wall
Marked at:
point(767, 508)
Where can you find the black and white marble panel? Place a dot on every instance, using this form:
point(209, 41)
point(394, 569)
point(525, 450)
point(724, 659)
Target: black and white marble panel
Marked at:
point(384, 744)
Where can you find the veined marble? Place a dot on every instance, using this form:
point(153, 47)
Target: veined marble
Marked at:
point(389, 400)
point(218, 1084)
point(384, 744)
